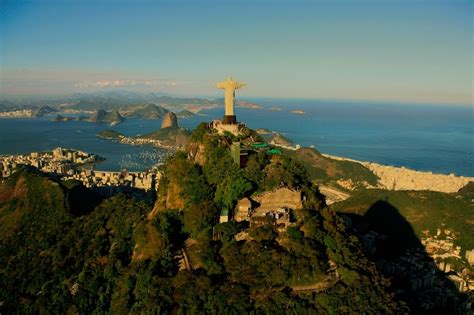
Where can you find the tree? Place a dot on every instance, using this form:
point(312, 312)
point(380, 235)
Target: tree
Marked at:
point(285, 171)
point(200, 216)
point(230, 190)
point(219, 164)
point(265, 232)
point(254, 170)
point(199, 132)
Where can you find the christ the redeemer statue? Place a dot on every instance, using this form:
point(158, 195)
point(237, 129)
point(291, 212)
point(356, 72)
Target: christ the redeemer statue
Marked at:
point(229, 86)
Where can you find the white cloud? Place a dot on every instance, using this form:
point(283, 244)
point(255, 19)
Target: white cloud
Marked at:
point(60, 81)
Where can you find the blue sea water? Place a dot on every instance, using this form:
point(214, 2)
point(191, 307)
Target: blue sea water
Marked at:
point(422, 137)
point(20, 136)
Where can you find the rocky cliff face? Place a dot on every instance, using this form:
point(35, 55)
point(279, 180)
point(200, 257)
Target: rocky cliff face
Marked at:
point(197, 152)
point(182, 138)
point(114, 118)
point(98, 115)
point(170, 120)
point(279, 139)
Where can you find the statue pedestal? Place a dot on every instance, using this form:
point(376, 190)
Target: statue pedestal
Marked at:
point(220, 127)
point(229, 120)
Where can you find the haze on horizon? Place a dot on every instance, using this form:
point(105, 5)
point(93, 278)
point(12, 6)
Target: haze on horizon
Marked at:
point(404, 51)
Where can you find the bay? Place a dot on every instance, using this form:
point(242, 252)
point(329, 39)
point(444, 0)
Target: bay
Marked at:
point(433, 138)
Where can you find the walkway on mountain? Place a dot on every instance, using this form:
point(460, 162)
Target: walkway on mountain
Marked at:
point(185, 262)
point(320, 286)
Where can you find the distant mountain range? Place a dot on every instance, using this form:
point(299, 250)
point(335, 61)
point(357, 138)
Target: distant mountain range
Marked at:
point(110, 100)
point(98, 116)
point(147, 111)
point(37, 111)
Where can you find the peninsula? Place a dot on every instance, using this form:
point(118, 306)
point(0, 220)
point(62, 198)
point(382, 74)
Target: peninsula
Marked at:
point(170, 136)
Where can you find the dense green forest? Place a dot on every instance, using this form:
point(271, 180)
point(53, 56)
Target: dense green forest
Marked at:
point(64, 249)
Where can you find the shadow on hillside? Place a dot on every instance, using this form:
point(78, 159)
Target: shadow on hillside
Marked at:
point(83, 200)
point(389, 240)
point(131, 192)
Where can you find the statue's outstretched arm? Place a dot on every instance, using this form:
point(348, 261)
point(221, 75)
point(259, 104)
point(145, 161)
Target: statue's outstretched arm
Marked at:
point(239, 85)
point(221, 85)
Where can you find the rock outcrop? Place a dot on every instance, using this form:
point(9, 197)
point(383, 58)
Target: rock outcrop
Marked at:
point(170, 120)
point(100, 115)
point(278, 139)
point(197, 152)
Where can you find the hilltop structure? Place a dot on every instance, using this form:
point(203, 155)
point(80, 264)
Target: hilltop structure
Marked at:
point(229, 123)
point(229, 86)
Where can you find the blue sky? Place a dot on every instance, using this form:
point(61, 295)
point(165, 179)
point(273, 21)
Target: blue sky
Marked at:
point(408, 51)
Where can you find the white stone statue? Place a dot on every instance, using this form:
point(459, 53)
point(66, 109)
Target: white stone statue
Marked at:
point(229, 86)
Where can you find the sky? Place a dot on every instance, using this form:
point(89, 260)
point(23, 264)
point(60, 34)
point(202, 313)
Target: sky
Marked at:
point(402, 51)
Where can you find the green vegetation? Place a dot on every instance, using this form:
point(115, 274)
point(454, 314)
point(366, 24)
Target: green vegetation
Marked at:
point(110, 134)
point(120, 254)
point(424, 210)
point(467, 193)
point(185, 114)
point(325, 170)
point(148, 111)
point(199, 132)
point(279, 139)
point(169, 136)
point(63, 118)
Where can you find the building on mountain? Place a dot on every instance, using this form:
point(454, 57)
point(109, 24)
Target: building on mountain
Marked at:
point(224, 216)
point(470, 256)
point(243, 210)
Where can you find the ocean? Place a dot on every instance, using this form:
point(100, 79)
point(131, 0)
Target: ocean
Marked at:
point(422, 137)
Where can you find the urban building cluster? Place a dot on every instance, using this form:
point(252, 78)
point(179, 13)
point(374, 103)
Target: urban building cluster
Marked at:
point(448, 257)
point(18, 113)
point(419, 274)
point(69, 164)
point(145, 141)
point(140, 180)
point(59, 161)
point(430, 272)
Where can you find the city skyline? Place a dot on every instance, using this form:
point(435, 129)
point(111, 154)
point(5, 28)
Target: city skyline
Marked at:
point(396, 51)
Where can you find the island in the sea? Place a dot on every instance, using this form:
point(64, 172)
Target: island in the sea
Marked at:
point(246, 104)
point(169, 136)
point(298, 111)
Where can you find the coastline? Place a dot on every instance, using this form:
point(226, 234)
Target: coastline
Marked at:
point(401, 178)
point(140, 141)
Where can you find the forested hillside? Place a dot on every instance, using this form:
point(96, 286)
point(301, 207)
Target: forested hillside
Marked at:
point(64, 254)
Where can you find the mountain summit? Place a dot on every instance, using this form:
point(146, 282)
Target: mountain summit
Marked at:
point(170, 120)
